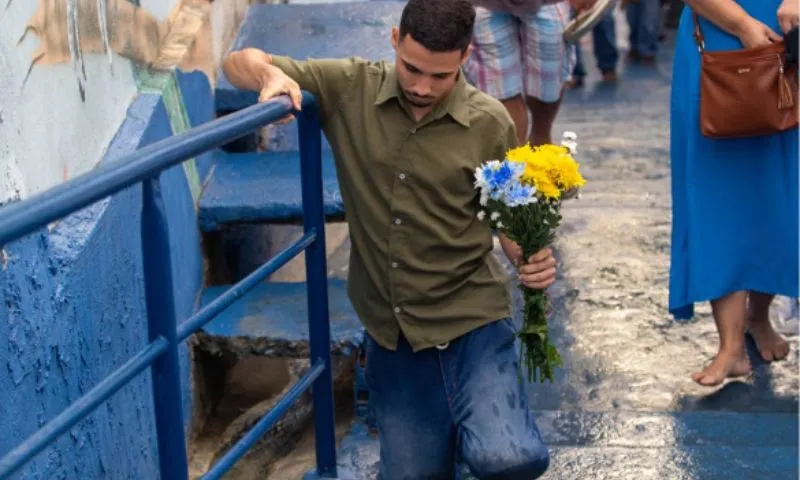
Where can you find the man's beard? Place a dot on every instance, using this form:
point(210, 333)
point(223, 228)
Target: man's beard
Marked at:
point(419, 102)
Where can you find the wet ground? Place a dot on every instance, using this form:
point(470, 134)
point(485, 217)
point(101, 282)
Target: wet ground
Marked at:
point(624, 406)
point(625, 355)
point(625, 350)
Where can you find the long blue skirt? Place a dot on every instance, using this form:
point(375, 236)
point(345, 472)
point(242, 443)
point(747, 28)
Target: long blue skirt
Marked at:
point(734, 202)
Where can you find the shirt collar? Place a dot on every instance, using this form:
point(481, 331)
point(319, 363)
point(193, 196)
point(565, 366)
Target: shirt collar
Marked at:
point(454, 105)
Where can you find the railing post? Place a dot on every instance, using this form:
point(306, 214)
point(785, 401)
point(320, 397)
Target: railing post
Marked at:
point(161, 321)
point(317, 287)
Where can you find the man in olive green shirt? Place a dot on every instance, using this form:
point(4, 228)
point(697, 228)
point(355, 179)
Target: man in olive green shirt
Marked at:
point(442, 368)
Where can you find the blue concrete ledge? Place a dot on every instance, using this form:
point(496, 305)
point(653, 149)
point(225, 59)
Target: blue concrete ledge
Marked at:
point(198, 99)
point(272, 320)
point(262, 187)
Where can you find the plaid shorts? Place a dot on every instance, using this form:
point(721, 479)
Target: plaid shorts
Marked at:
point(516, 54)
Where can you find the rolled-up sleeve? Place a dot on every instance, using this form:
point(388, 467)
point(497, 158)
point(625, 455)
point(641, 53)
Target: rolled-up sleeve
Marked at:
point(327, 79)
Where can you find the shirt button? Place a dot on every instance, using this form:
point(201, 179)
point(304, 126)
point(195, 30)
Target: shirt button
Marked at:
point(395, 265)
point(397, 221)
point(413, 131)
point(396, 309)
point(402, 176)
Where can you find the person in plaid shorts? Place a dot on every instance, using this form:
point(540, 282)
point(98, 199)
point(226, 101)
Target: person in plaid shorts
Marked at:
point(519, 57)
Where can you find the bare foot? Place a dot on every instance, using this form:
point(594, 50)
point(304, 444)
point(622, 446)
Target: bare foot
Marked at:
point(770, 345)
point(724, 366)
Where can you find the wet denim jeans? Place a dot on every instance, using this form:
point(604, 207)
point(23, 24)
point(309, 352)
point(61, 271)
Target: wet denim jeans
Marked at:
point(604, 41)
point(458, 403)
point(644, 19)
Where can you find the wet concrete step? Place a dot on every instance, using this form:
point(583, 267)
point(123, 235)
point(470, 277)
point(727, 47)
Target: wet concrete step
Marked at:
point(262, 187)
point(310, 31)
point(272, 321)
point(695, 462)
point(639, 445)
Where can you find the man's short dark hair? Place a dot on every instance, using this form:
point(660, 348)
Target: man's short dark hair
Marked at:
point(439, 25)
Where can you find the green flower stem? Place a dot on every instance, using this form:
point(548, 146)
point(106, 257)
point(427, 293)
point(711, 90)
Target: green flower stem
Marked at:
point(539, 356)
point(533, 228)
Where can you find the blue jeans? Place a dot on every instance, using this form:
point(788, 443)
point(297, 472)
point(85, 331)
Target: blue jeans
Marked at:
point(644, 19)
point(604, 40)
point(461, 403)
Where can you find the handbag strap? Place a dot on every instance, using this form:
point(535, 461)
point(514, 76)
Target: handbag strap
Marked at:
point(698, 34)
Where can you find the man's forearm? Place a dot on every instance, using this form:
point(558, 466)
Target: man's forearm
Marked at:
point(726, 14)
point(247, 69)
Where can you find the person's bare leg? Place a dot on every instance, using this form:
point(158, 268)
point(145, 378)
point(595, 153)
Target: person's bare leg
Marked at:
point(543, 115)
point(770, 345)
point(519, 114)
point(730, 313)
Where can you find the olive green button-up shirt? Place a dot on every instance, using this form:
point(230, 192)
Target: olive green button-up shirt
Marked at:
point(420, 262)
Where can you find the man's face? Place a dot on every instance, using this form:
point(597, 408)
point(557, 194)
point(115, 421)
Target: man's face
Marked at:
point(425, 77)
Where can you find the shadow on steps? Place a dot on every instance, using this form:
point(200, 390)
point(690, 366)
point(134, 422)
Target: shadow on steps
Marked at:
point(234, 393)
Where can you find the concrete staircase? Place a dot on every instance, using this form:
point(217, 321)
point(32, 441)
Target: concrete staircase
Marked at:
point(247, 187)
point(264, 187)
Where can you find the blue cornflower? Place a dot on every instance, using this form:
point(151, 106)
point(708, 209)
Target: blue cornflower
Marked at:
point(518, 194)
point(501, 176)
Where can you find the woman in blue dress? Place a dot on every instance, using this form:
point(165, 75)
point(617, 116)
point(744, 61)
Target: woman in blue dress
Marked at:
point(734, 202)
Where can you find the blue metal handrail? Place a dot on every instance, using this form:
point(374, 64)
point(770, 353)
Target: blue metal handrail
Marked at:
point(161, 354)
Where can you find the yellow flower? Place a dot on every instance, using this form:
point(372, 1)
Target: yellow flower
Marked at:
point(547, 188)
point(549, 168)
point(520, 154)
point(565, 171)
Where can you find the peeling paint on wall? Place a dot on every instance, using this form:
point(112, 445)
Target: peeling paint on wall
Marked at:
point(12, 183)
point(72, 309)
point(182, 27)
point(53, 134)
point(70, 29)
point(102, 20)
point(132, 32)
point(52, 49)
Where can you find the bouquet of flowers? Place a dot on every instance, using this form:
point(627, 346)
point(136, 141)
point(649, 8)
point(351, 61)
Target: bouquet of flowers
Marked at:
point(521, 197)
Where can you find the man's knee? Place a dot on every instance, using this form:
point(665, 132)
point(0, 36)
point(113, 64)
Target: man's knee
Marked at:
point(515, 463)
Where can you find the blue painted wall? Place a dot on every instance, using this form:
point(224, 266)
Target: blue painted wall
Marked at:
point(73, 310)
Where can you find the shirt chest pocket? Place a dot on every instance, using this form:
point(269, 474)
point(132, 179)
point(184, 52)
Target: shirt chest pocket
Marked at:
point(433, 165)
point(446, 173)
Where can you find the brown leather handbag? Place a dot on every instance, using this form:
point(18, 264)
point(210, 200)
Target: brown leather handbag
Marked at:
point(745, 93)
